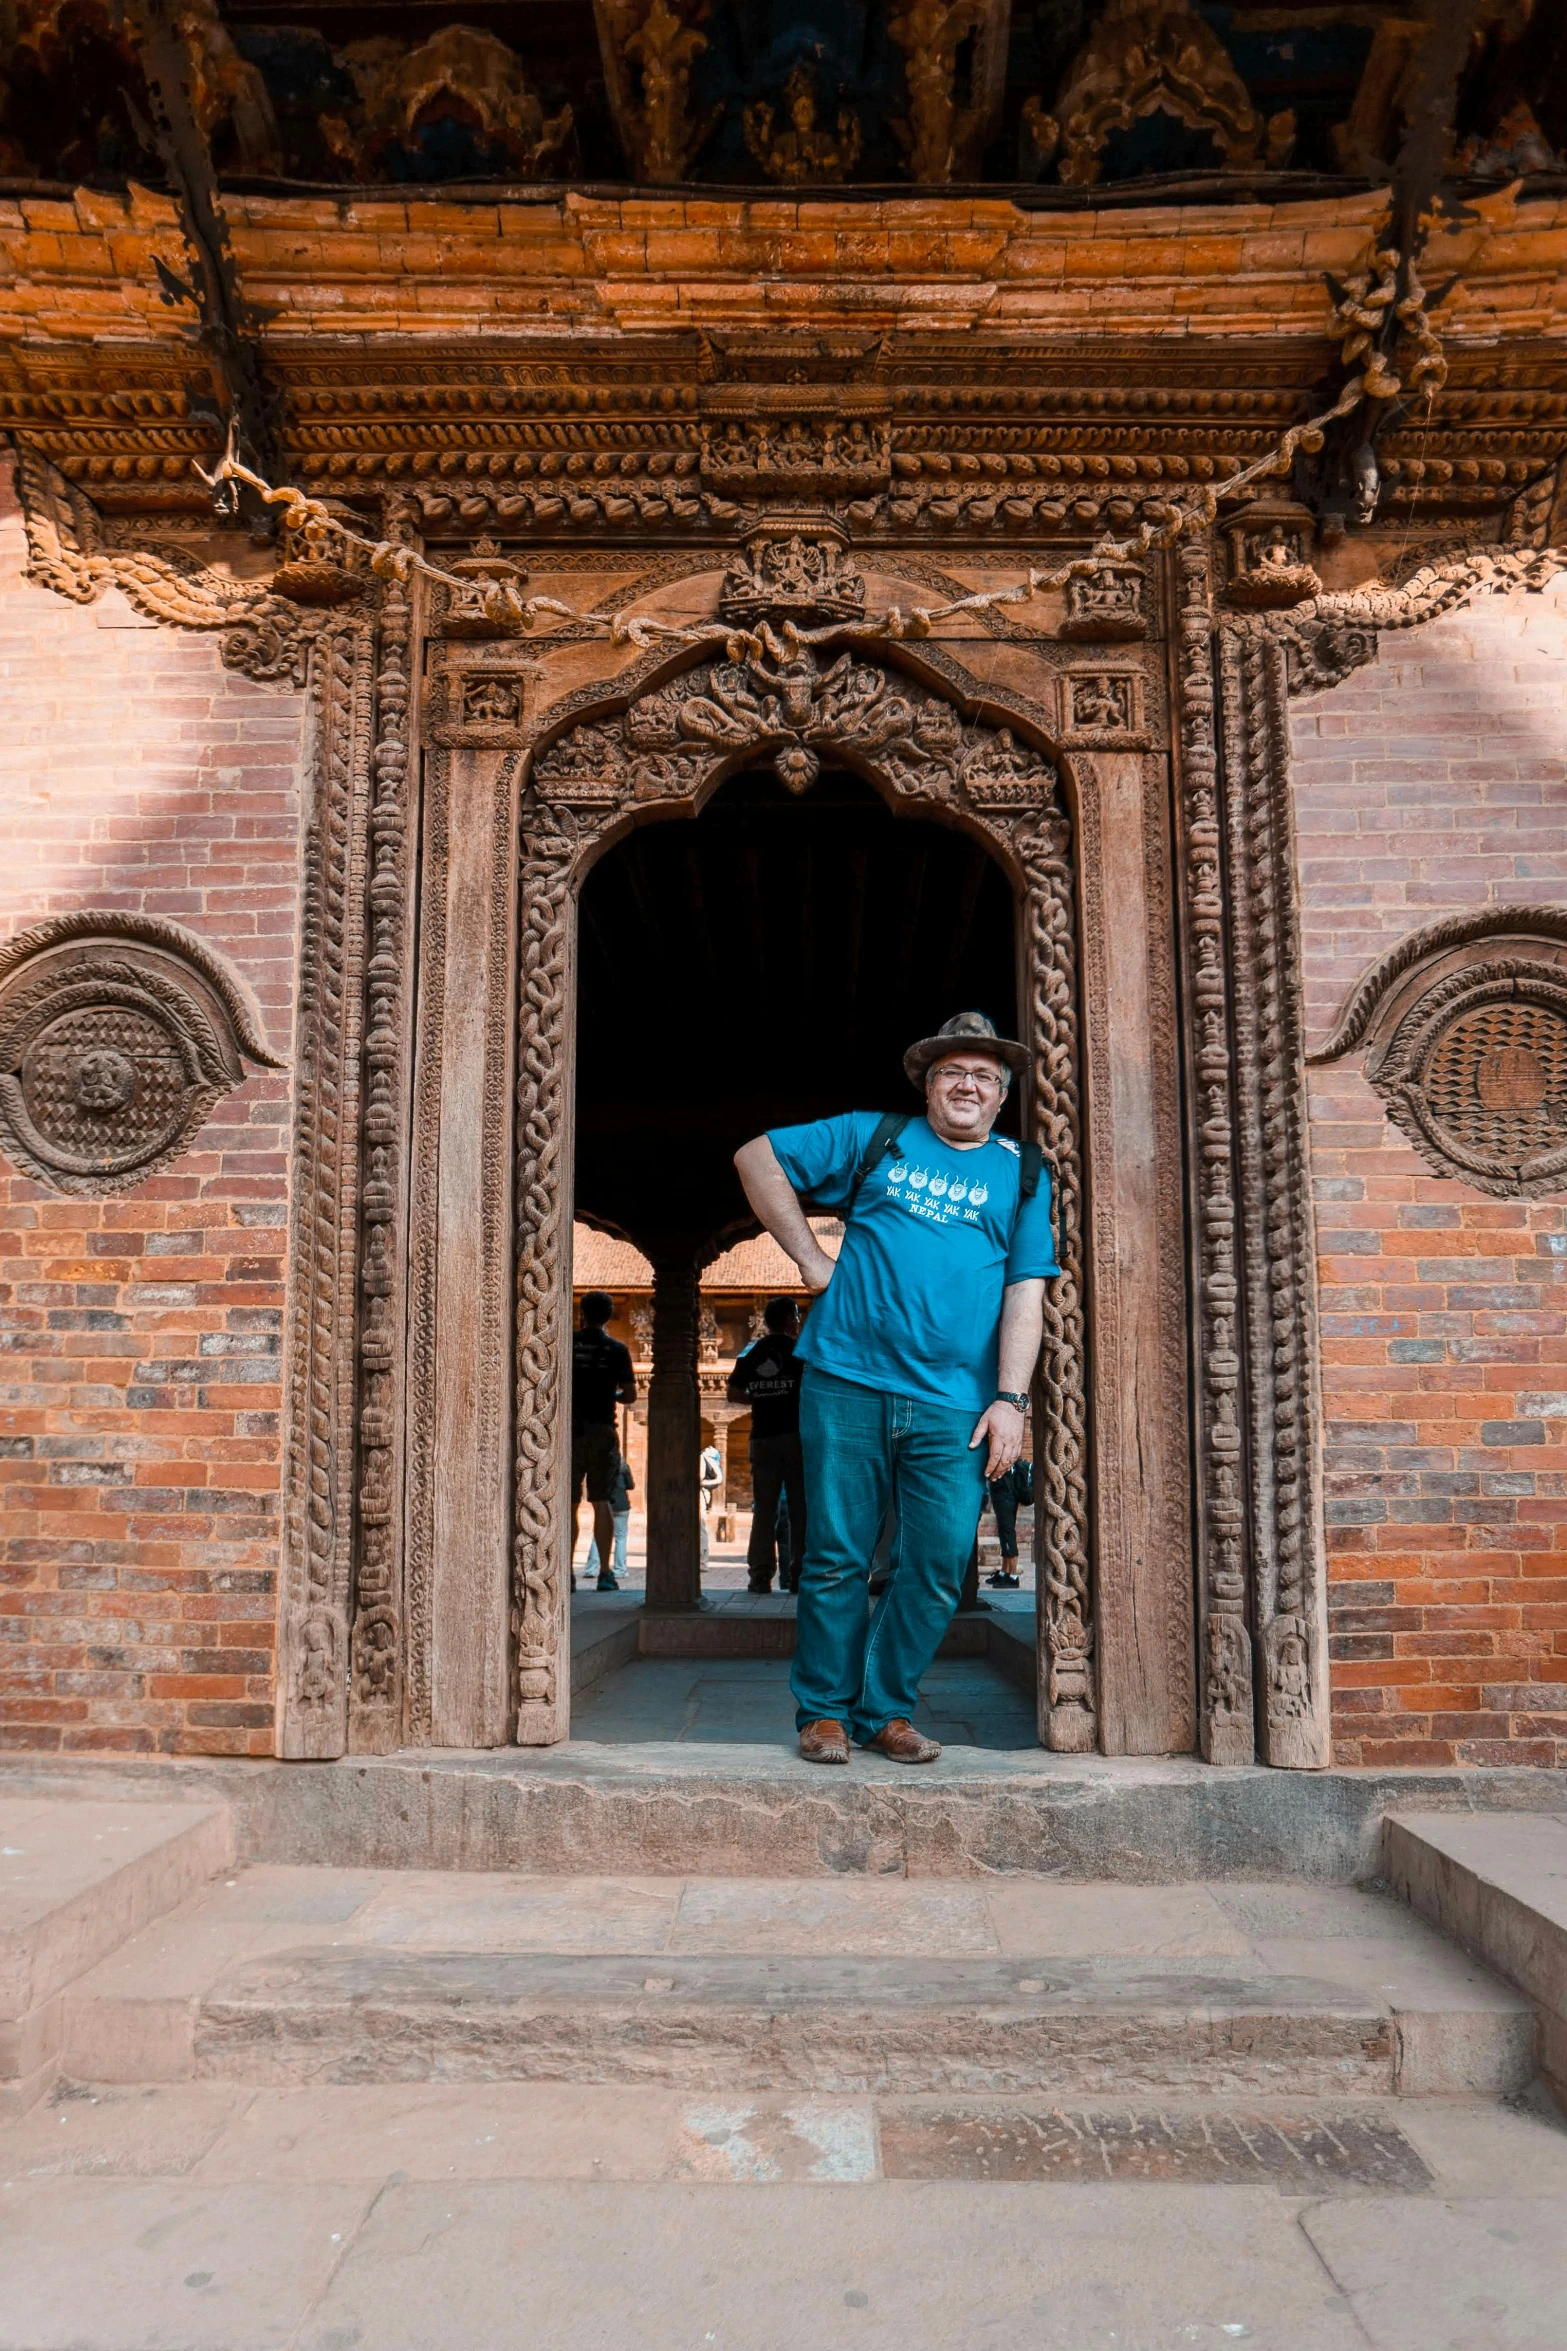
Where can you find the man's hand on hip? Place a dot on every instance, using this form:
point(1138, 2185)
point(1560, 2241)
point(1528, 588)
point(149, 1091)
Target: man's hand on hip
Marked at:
point(1002, 1425)
point(816, 1269)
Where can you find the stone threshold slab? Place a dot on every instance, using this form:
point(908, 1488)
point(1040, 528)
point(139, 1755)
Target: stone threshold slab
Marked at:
point(758, 1811)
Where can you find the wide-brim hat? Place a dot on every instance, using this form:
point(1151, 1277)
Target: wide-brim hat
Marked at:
point(966, 1032)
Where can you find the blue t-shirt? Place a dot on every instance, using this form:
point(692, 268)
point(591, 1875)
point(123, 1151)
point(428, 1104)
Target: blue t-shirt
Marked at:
point(914, 1307)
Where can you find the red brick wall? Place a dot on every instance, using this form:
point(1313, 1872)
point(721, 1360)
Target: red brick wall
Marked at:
point(1435, 780)
point(140, 1336)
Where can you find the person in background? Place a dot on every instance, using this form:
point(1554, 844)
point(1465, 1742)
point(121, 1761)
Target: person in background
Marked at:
point(1007, 1495)
point(609, 1579)
point(767, 1377)
point(601, 1379)
point(710, 1476)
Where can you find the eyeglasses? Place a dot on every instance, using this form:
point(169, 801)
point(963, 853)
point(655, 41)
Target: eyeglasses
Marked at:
point(949, 1074)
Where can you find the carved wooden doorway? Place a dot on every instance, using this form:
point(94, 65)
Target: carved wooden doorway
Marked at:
point(1113, 1508)
point(469, 1325)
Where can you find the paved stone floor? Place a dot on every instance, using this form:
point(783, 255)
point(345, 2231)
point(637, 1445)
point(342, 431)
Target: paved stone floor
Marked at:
point(197, 2217)
point(183, 2213)
point(966, 1702)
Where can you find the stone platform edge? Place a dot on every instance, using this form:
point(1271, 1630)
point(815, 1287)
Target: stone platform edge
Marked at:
point(757, 1812)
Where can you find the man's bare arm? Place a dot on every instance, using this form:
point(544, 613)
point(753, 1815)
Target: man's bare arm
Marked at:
point(778, 1205)
point(1022, 1327)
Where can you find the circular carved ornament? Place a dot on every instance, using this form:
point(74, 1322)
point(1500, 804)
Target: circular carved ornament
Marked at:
point(117, 1036)
point(1475, 1074)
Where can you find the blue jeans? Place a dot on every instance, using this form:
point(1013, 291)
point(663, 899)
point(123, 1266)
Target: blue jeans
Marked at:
point(862, 1449)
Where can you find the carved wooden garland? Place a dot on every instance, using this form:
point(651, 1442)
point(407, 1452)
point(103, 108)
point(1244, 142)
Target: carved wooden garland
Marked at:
point(118, 1033)
point(672, 746)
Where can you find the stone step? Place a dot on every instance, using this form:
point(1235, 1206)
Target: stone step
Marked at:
point(297, 1974)
point(1497, 1884)
point(745, 2023)
point(77, 1880)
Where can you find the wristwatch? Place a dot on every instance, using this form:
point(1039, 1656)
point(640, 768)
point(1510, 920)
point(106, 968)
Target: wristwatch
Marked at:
point(1011, 1396)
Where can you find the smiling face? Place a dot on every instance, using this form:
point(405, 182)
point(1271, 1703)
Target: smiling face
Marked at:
point(963, 1094)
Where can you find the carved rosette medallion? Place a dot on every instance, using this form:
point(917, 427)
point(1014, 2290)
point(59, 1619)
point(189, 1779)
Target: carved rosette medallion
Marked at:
point(117, 1036)
point(1468, 1033)
point(1476, 1076)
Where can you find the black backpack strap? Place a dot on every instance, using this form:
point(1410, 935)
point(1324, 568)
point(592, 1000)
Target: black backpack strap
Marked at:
point(1033, 1161)
point(884, 1140)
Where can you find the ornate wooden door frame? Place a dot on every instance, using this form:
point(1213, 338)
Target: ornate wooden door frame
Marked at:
point(653, 746)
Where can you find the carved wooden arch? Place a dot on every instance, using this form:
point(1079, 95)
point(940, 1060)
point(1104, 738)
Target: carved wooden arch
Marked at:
point(657, 747)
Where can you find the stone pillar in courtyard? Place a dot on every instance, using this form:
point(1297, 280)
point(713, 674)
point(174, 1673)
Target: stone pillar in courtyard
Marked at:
point(674, 1440)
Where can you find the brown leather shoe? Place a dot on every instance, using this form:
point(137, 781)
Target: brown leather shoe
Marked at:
point(905, 1744)
point(824, 1742)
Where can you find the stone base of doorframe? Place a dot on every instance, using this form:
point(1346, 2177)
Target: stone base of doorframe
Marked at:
point(760, 1812)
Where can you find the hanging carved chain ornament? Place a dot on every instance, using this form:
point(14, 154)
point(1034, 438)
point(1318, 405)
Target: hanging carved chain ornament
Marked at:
point(504, 606)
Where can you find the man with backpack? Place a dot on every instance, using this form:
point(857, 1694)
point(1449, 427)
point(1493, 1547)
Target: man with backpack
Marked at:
point(918, 1356)
point(767, 1377)
point(601, 1379)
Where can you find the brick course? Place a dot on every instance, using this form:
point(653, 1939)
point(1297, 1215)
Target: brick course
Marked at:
point(1432, 781)
point(141, 1336)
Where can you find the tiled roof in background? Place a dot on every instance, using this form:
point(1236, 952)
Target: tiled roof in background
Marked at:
point(600, 1262)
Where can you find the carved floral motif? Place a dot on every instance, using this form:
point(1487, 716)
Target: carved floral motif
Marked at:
point(945, 140)
point(661, 137)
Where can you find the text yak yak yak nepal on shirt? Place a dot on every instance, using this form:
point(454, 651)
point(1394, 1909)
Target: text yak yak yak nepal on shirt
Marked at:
point(933, 1235)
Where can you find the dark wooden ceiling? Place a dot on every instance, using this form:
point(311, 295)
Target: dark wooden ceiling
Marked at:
point(306, 92)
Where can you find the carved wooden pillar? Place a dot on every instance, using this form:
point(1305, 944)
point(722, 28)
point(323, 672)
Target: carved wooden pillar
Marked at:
point(674, 1434)
point(1226, 1725)
point(1278, 1256)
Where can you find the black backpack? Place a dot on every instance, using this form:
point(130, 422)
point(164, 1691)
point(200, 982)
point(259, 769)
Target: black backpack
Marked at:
point(887, 1142)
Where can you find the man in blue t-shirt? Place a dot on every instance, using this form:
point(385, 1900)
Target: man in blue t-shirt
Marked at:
point(918, 1356)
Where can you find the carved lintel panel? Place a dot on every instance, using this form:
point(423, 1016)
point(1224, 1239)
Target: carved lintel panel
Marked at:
point(805, 457)
point(1108, 605)
point(1102, 707)
point(1289, 1595)
point(118, 1034)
